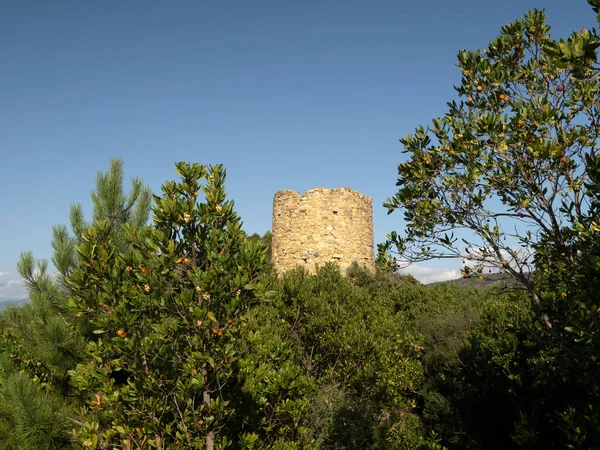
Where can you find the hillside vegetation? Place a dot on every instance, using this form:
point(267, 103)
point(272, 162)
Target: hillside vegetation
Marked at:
point(174, 332)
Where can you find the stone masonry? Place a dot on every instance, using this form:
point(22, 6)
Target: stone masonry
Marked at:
point(320, 226)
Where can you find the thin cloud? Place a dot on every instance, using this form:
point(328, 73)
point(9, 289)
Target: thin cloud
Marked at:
point(11, 289)
point(428, 275)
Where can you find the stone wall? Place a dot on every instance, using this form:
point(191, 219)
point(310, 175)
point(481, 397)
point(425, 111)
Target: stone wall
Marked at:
point(320, 226)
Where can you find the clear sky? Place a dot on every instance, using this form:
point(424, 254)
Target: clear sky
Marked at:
point(286, 94)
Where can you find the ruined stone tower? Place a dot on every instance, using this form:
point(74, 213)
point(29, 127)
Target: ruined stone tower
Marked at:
point(320, 226)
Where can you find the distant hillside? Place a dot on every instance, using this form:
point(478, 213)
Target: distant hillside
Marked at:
point(503, 280)
point(6, 303)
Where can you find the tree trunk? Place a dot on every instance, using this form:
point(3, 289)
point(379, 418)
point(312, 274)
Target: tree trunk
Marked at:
point(543, 314)
point(210, 437)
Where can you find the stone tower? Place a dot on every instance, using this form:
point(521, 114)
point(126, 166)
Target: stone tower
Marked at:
point(321, 226)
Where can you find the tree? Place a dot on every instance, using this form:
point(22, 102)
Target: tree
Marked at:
point(504, 169)
point(570, 291)
point(43, 340)
point(508, 180)
point(167, 316)
point(266, 239)
point(359, 347)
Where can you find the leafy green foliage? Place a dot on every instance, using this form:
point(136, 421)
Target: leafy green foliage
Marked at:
point(167, 315)
point(508, 180)
point(274, 390)
point(43, 340)
point(31, 417)
point(506, 163)
point(569, 285)
point(357, 344)
point(179, 335)
point(473, 347)
point(265, 239)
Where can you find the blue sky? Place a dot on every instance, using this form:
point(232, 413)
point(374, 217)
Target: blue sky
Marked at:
point(286, 94)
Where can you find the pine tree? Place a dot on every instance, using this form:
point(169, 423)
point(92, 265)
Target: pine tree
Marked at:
point(43, 340)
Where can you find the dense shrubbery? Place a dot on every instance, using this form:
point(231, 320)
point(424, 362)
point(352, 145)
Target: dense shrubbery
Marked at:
point(361, 352)
point(515, 164)
point(191, 338)
point(178, 335)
